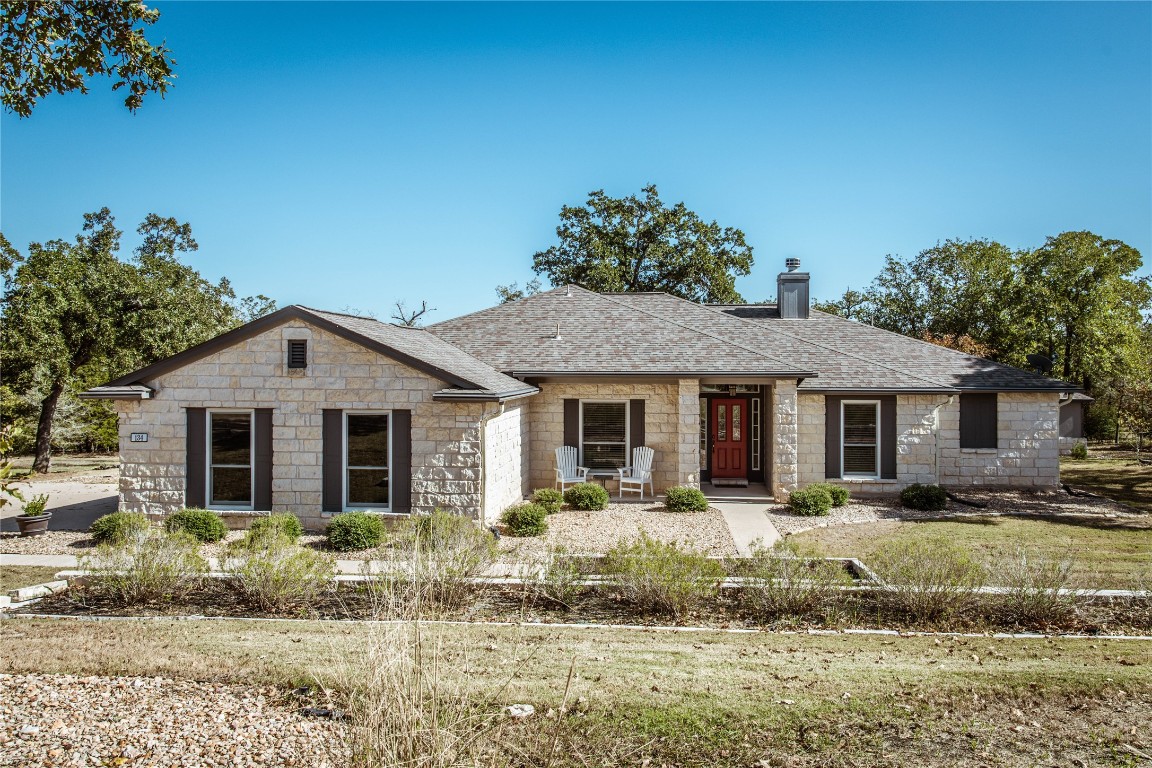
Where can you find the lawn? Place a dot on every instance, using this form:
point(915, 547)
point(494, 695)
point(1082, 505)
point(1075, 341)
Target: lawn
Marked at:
point(1108, 552)
point(16, 576)
point(652, 697)
point(1122, 479)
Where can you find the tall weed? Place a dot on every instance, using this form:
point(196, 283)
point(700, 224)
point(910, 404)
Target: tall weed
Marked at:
point(147, 565)
point(927, 580)
point(658, 577)
point(782, 583)
point(1030, 590)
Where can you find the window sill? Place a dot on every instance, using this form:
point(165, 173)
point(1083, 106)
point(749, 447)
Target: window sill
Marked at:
point(863, 480)
point(985, 451)
point(379, 512)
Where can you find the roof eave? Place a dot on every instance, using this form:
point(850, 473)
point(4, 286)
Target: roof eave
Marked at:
point(130, 392)
point(482, 396)
point(519, 374)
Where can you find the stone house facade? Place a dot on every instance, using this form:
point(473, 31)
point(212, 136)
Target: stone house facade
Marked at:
point(316, 412)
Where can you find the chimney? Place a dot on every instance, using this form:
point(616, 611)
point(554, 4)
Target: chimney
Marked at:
point(792, 291)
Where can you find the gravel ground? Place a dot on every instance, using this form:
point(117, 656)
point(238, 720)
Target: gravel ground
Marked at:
point(62, 720)
point(596, 532)
point(51, 543)
point(1004, 502)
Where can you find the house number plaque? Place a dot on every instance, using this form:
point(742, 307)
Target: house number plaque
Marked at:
point(138, 437)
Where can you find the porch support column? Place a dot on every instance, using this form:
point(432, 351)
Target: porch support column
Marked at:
point(785, 439)
point(688, 455)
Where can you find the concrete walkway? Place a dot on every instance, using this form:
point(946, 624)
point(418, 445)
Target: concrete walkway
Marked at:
point(744, 509)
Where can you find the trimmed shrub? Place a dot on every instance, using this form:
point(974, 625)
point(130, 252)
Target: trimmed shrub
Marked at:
point(526, 519)
point(658, 577)
point(284, 523)
point(681, 499)
point(838, 493)
point(117, 527)
point(926, 579)
point(549, 498)
point(1079, 451)
point(782, 583)
point(204, 524)
point(810, 502)
point(930, 498)
point(147, 565)
point(350, 531)
point(586, 496)
point(277, 574)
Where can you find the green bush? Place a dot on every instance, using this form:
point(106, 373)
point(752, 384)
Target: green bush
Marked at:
point(680, 499)
point(658, 577)
point(586, 496)
point(1079, 451)
point(838, 493)
point(277, 574)
point(930, 498)
point(204, 524)
point(783, 583)
point(549, 498)
point(926, 579)
point(148, 565)
point(810, 502)
point(351, 531)
point(526, 519)
point(116, 527)
point(284, 523)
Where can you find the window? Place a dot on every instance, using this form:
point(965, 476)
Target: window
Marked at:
point(230, 459)
point(703, 434)
point(860, 441)
point(298, 353)
point(366, 453)
point(604, 434)
point(755, 434)
point(978, 420)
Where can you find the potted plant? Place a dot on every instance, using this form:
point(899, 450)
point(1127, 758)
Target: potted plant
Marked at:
point(33, 520)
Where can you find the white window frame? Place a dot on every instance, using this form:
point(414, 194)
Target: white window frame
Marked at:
point(859, 475)
point(627, 430)
point(346, 506)
point(210, 466)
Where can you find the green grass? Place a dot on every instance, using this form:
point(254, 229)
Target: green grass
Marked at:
point(1124, 480)
point(16, 576)
point(692, 699)
point(1108, 552)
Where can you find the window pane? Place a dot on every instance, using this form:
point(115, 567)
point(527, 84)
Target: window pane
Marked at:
point(859, 459)
point(604, 422)
point(859, 423)
point(367, 440)
point(231, 486)
point(231, 438)
point(703, 434)
point(721, 422)
point(368, 486)
point(598, 456)
point(736, 411)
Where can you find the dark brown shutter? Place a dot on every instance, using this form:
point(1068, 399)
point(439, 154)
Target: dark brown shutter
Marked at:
point(832, 436)
point(888, 437)
point(635, 426)
point(572, 423)
point(262, 468)
point(978, 420)
point(195, 458)
point(333, 471)
point(400, 472)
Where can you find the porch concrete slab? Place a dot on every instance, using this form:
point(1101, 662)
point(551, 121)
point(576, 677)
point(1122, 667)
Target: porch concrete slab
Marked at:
point(748, 521)
point(41, 561)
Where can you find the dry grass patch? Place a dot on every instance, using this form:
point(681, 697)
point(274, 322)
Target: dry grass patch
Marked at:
point(16, 576)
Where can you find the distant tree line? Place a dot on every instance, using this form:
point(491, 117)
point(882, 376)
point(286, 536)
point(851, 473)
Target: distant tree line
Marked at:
point(1076, 300)
point(76, 315)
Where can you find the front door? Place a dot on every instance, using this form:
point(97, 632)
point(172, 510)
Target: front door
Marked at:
point(729, 427)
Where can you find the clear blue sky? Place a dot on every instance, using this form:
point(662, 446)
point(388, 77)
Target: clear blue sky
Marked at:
point(354, 154)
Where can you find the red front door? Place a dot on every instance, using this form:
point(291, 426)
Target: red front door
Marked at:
point(729, 427)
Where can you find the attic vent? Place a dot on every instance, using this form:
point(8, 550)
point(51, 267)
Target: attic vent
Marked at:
point(298, 353)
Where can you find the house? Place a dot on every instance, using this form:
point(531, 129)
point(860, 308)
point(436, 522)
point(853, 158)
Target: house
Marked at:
point(1072, 413)
point(318, 412)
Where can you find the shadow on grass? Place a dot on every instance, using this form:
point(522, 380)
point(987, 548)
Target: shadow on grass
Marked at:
point(1096, 522)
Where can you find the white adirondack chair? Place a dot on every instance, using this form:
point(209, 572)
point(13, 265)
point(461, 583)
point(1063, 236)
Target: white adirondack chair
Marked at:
point(567, 473)
point(639, 474)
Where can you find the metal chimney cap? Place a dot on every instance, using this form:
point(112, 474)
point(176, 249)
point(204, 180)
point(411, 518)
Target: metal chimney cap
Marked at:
point(792, 263)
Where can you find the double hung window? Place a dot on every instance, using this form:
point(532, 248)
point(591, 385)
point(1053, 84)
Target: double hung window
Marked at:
point(366, 454)
point(860, 438)
point(230, 453)
point(604, 434)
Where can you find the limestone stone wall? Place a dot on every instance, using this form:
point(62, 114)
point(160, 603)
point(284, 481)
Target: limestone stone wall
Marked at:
point(504, 477)
point(785, 438)
point(667, 427)
point(446, 458)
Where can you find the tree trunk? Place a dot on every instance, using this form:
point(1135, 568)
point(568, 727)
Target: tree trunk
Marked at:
point(44, 427)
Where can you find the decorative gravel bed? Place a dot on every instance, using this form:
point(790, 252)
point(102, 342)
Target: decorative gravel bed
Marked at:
point(597, 532)
point(63, 720)
point(50, 543)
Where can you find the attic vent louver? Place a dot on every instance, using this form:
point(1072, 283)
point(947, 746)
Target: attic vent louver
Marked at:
point(298, 353)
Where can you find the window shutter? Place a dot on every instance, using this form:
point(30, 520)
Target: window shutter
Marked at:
point(297, 353)
point(194, 478)
point(400, 472)
point(832, 437)
point(572, 422)
point(888, 437)
point(332, 499)
point(978, 420)
point(262, 465)
point(635, 426)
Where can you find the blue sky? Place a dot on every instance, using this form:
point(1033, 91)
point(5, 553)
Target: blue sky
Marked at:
point(355, 154)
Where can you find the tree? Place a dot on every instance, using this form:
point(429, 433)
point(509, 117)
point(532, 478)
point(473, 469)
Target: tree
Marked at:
point(75, 314)
point(639, 244)
point(512, 292)
point(850, 306)
point(54, 45)
point(411, 318)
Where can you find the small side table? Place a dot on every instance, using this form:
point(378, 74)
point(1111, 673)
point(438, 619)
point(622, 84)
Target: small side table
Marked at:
point(603, 476)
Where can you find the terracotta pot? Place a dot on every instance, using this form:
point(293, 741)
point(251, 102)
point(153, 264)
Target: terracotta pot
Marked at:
point(33, 526)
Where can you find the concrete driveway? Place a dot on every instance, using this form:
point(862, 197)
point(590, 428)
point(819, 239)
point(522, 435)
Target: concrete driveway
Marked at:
point(74, 501)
